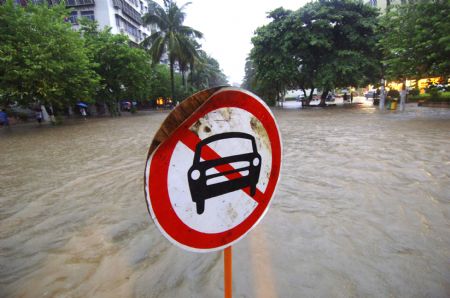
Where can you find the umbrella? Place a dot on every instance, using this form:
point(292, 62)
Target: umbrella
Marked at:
point(82, 104)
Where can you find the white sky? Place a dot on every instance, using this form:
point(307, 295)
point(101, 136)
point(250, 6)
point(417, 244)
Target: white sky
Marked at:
point(228, 26)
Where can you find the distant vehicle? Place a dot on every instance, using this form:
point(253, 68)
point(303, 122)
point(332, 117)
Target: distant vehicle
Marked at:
point(237, 171)
point(370, 94)
point(25, 113)
point(125, 106)
point(330, 97)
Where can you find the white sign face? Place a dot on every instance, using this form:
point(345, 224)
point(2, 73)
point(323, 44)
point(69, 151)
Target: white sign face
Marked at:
point(229, 208)
point(213, 179)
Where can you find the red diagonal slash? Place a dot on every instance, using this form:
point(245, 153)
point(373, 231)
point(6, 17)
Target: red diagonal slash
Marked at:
point(191, 140)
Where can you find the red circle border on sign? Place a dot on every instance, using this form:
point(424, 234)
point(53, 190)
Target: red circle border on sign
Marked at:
point(157, 187)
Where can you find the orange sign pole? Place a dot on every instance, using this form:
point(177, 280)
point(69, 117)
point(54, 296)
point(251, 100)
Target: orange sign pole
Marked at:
point(228, 264)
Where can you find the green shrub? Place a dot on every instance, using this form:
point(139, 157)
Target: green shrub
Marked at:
point(418, 97)
point(434, 93)
point(22, 116)
point(414, 92)
point(431, 97)
point(58, 120)
point(393, 94)
point(440, 97)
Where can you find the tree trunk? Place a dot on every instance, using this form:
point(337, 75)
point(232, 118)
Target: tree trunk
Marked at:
point(183, 78)
point(45, 115)
point(310, 97)
point(303, 101)
point(185, 83)
point(279, 98)
point(52, 116)
point(323, 97)
point(304, 92)
point(191, 75)
point(172, 82)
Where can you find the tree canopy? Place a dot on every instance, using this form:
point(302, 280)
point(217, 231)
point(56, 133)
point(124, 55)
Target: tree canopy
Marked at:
point(325, 44)
point(125, 72)
point(415, 40)
point(42, 60)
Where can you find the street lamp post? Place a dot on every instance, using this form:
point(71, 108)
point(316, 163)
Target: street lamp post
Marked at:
point(382, 95)
point(403, 96)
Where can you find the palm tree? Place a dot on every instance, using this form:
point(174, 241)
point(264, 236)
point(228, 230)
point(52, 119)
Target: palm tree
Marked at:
point(207, 72)
point(172, 36)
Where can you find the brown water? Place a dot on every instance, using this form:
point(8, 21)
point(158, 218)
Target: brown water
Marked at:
point(362, 209)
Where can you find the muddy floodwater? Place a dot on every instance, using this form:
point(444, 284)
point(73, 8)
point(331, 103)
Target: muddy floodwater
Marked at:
point(362, 210)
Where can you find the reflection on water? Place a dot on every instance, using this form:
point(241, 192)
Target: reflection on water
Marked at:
point(362, 209)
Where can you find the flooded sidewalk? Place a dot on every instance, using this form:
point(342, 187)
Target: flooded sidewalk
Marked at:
point(362, 209)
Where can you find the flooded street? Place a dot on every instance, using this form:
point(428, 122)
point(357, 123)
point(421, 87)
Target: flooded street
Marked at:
point(362, 210)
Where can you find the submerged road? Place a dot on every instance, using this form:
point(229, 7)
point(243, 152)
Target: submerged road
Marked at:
point(362, 209)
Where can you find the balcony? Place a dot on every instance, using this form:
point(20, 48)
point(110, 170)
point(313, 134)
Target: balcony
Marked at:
point(131, 13)
point(73, 3)
point(117, 4)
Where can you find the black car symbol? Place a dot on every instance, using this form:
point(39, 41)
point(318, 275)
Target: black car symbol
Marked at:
point(242, 170)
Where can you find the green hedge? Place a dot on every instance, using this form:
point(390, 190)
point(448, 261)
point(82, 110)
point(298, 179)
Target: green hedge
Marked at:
point(436, 97)
point(420, 97)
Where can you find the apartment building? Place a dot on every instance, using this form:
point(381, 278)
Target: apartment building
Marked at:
point(123, 16)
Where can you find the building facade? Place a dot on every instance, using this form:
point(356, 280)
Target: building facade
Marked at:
point(383, 4)
point(123, 16)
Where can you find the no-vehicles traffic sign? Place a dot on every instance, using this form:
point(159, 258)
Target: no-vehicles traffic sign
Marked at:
point(211, 180)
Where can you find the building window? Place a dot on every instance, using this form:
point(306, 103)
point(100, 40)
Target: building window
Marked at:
point(373, 3)
point(88, 14)
point(125, 25)
point(132, 30)
point(73, 18)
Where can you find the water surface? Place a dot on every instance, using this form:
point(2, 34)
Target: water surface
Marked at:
point(362, 209)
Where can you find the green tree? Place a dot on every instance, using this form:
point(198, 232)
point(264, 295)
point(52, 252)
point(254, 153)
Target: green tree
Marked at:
point(258, 86)
point(275, 68)
point(42, 60)
point(325, 44)
point(172, 37)
point(125, 71)
point(416, 40)
point(159, 84)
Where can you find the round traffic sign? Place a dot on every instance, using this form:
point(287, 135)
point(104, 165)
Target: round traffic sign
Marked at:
point(211, 181)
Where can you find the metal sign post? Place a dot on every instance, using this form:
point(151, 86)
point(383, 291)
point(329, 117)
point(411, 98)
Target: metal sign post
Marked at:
point(228, 271)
